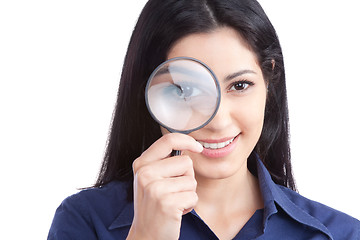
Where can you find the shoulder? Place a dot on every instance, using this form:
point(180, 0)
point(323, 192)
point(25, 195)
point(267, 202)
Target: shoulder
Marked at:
point(113, 192)
point(84, 213)
point(112, 195)
point(339, 224)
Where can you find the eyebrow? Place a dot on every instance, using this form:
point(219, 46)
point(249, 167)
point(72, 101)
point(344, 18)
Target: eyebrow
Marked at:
point(239, 73)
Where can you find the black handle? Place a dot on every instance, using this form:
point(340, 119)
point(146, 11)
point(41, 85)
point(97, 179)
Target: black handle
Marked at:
point(175, 153)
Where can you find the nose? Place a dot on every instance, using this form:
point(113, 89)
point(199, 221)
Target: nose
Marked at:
point(223, 118)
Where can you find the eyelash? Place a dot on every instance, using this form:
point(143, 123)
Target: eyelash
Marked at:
point(242, 82)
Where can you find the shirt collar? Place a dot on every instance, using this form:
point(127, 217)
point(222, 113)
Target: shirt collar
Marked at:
point(273, 193)
point(125, 217)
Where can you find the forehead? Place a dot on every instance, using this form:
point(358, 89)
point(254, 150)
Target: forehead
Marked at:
point(223, 50)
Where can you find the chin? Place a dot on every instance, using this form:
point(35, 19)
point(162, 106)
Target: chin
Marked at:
point(218, 168)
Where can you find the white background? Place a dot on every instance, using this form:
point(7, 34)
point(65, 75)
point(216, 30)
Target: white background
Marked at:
point(60, 64)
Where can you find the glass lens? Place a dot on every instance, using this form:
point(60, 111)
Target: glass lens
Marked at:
point(182, 94)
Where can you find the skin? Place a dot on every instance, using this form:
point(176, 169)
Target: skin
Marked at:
point(221, 189)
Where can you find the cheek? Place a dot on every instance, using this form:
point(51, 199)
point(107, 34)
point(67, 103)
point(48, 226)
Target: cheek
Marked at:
point(251, 114)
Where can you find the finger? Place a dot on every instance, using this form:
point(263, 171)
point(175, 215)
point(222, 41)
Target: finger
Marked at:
point(180, 202)
point(170, 167)
point(163, 147)
point(158, 189)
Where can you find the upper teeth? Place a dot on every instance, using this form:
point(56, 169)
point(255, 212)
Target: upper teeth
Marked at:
point(216, 145)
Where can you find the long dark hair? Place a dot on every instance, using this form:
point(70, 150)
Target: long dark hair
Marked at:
point(159, 26)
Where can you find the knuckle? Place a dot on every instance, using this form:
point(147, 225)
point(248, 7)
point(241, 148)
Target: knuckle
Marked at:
point(187, 161)
point(194, 184)
point(135, 165)
point(144, 175)
point(195, 198)
point(138, 163)
point(191, 183)
point(144, 172)
point(168, 138)
point(141, 182)
point(166, 205)
point(153, 190)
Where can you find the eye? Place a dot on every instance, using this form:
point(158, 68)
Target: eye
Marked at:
point(185, 91)
point(240, 85)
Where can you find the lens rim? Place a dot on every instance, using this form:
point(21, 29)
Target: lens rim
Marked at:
point(217, 89)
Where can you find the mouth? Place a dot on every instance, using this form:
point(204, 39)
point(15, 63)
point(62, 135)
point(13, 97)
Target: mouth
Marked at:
point(219, 148)
point(216, 145)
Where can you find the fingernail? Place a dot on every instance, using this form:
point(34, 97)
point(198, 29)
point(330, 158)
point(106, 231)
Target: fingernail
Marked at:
point(199, 147)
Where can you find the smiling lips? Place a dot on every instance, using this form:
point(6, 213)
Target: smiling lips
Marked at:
point(216, 145)
point(218, 148)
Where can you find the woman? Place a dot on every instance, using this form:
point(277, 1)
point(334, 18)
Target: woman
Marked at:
point(234, 178)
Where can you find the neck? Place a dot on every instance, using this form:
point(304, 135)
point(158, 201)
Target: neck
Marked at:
point(240, 192)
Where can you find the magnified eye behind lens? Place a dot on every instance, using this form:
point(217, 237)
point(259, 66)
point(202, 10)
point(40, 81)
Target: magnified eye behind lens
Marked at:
point(182, 94)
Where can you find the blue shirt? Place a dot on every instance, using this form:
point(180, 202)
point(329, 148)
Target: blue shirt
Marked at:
point(104, 213)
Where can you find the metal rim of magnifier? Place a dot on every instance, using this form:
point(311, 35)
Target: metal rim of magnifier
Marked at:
point(216, 84)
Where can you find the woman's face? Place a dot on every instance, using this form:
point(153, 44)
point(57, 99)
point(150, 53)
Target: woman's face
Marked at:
point(233, 133)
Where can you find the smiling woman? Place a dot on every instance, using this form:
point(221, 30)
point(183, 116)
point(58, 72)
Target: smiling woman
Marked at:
point(241, 113)
point(234, 177)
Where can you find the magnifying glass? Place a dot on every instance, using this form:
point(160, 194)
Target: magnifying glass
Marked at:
point(182, 95)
